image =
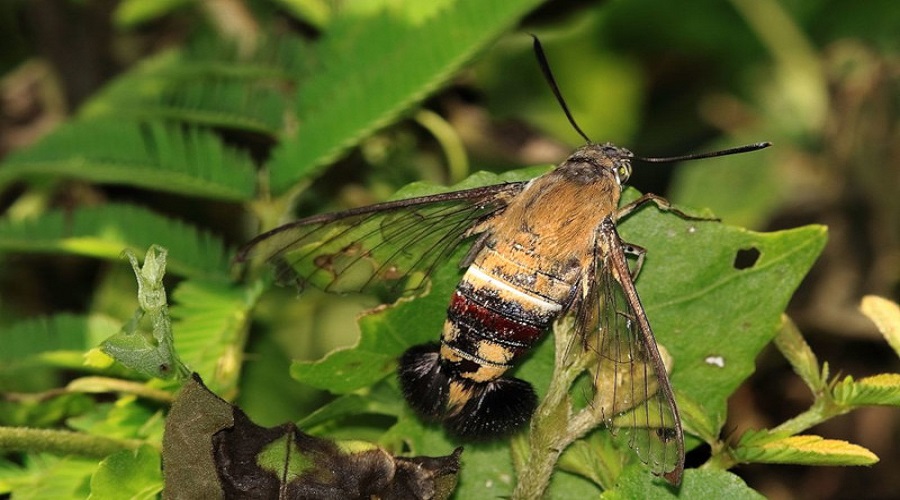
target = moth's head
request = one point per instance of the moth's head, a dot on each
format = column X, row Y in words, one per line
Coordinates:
column 606, row 160
column 620, row 159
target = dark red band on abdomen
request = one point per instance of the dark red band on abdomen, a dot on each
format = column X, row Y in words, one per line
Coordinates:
column 476, row 323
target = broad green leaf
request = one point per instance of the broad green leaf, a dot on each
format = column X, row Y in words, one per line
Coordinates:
column 150, row 155
column 566, row 486
column 373, row 68
column 697, row 483
column 595, row 457
column 713, row 318
column 135, row 475
column 105, row 231
column 762, row 447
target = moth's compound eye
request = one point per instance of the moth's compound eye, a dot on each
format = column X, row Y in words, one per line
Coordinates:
column 623, row 172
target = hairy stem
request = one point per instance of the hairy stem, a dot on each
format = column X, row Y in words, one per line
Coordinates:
column 62, row 442
column 554, row 427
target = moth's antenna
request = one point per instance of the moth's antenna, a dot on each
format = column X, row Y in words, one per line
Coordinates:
column 713, row 154
column 548, row 75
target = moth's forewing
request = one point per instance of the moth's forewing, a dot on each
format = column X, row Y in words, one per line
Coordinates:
column 389, row 247
column 632, row 389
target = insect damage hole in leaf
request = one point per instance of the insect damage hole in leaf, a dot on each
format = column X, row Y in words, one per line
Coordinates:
column 745, row 258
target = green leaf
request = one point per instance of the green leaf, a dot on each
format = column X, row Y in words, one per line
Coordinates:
column 209, row 82
column 595, row 457
column 209, row 322
column 34, row 351
column 46, row 476
column 697, row 483
column 128, row 474
column 374, row 70
column 382, row 399
column 763, row 447
column 151, row 155
column 712, row 317
column 697, row 420
column 881, row 390
column 127, row 418
column 105, row 231
column 25, row 342
column 803, row 360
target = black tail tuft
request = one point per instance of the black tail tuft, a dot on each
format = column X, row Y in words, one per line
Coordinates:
column 423, row 383
column 496, row 409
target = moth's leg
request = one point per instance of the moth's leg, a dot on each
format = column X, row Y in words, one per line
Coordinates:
column 473, row 250
column 639, row 252
column 662, row 203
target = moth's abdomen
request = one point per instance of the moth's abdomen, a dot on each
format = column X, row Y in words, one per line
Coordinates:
column 499, row 310
column 494, row 318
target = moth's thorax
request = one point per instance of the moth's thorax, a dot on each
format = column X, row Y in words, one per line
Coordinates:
column 555, row 218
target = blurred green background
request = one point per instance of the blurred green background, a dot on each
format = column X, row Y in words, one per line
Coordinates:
column 819, row 78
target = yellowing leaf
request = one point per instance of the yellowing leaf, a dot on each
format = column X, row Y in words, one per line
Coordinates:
column 886, row 316
column 883, row 389
column 806, row 450
column 803, row 360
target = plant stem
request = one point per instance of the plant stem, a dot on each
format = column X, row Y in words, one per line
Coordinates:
column 721, row 457
column 62, row 442
column 823, row 409
column 546, row 442
column 553, row 427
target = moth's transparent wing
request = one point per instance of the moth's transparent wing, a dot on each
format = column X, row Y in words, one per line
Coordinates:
column 392, row 246
column 631, row 386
